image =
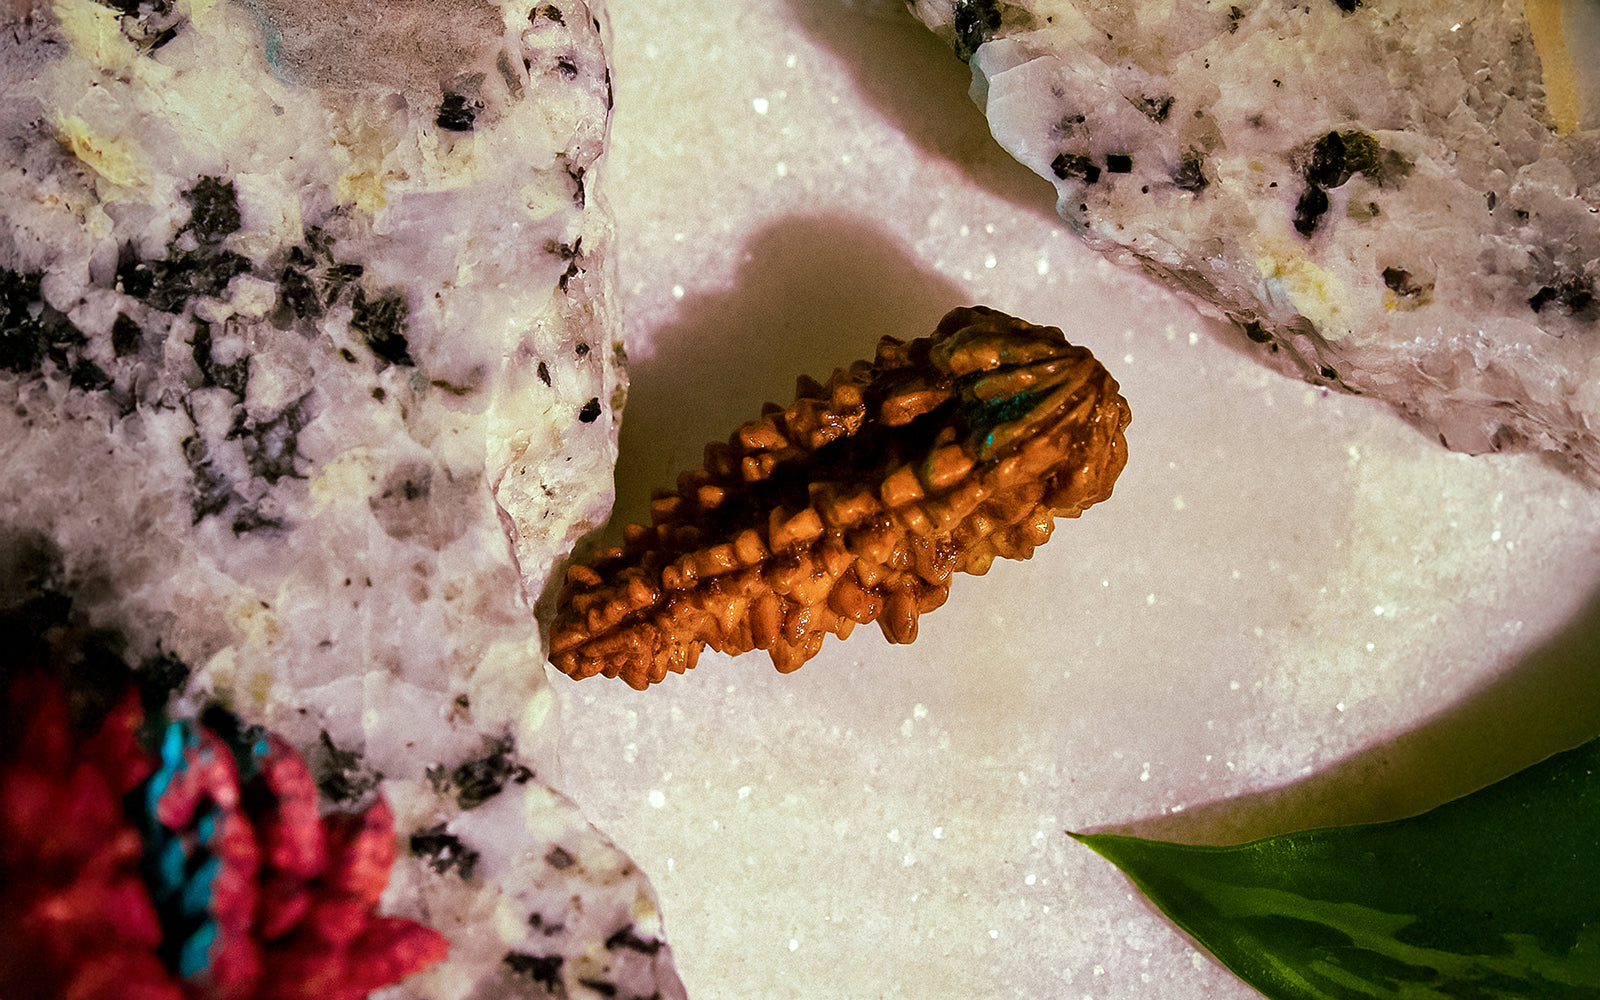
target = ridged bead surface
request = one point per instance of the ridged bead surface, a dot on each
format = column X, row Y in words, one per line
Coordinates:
column 855, row 503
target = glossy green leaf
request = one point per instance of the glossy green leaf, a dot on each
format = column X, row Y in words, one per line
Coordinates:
column 1494, row 895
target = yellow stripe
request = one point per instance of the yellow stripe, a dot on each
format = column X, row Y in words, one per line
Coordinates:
column 1560, row 76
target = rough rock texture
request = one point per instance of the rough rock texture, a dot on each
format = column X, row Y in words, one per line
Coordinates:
column 1396, row 200
column 304, row 355
column 855, row 503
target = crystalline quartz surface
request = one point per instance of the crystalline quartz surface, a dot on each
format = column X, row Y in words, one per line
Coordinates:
column 308, row 377
column 1393, row 200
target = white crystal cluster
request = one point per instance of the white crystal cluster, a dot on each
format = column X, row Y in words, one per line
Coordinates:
column 307, row 374
column 1396, row 200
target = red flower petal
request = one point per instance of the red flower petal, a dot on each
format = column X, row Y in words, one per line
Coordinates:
column 115, row 749
column 283, row 904
column 392, row 949
column 361, row 850
column 291, row 833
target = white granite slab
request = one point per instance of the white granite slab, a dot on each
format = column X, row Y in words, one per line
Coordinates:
column 1397, row 202
column 309, row 380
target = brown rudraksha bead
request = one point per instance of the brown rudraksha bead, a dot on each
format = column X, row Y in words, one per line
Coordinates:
column 855, row 503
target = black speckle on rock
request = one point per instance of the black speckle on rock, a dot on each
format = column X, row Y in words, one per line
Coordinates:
column 1119, row 163
column 1398, row 280
column 572, row 252
column 1328, row 372
column 600, row 986
column 342, row 775
column 478, row 781
column 1309, row 209
column 1333, row 160
column 149, row 24
column 210, row 492
column 544, row 373
column 297, row 294
column 31, row 330
column 125, row 335
column 167, row 285
column 1256, row 332
column 975, row 22
column 626, row 938
column 591, row 410
column 559, row 858
column 456, row 113
column 310, row 280
column 381, row 323
column 272, row 446
column 213, row 211
column 233, row 376
column 1069, row 124
column 1190, row 175
column 444, row 851
column 545, row 970
column 567, row 68
column 1574, row 297
column 578, row 194
column 572, row 271
column 1075, row 166
column 1338, row 155
column 582, row 349
column 252, row 519
column 508, row 74
column 453, row 388
column 1155, row 108
column 89, row 377
column 189, row 271
column 134, row 276
column 1348, row 6
column 549, row 12
column 396, row 509
column 1235, row 15
column 1326, row 166
column 338, row 276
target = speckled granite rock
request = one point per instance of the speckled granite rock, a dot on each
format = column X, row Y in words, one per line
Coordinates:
column 1393, row 200
column 307, row 373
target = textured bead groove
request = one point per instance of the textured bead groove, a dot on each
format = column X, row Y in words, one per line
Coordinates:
column 855, row 503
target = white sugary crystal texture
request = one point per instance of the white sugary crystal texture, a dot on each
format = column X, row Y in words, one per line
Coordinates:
column 307, row 373
column 1393, row 199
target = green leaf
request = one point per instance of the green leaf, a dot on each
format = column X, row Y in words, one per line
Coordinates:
column 1496, row 894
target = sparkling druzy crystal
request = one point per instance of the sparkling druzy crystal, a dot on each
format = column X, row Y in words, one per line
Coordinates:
column 855, row 503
